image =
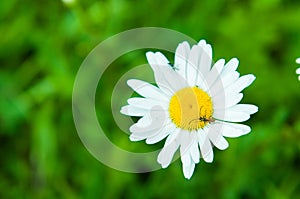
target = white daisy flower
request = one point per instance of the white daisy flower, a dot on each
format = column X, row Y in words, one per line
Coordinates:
column 298, row 70
column 194, row 105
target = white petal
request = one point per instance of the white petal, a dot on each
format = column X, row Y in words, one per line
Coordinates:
column 147, row 103
column 171, row 145
column 166, row 154
column 298, row 70
column 222, row 102
column 186, row 158
column 147, row 90
column 241, row 84
column 164, row 132
column 188, row 170
column 133, row 138
column 219, row 87
column 185, row 139
column 206, row 58
column 233, row 130
column 230, row 78
column 194, row 150
column 215, row 135
column 146, row 131
column 202, row 43
column 181, row 59
column 298, row 60
column 144, row 121
column 194, row 65
column 246, row 108
column 231, row 84
column 231, row 66
column 157, row 58
column 142, row 135
column 133, row 111
column 158, row 121
column 173, row 137
column 166, row 78
column 221, row 143
column 230, row 116
column 215, row 72
column 236, row 113
column 205, row 146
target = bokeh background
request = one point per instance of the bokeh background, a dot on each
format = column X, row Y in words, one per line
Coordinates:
column 42, row 45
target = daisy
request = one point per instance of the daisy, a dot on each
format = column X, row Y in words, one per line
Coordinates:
column 298, row 70
column 194, row 105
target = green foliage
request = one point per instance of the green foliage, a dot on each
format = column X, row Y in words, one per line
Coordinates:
column 42, row 46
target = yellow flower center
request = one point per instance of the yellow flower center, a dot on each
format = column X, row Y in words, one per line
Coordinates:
column 191, row 108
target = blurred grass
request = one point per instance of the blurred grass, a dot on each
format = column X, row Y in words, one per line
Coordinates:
column 42, row 46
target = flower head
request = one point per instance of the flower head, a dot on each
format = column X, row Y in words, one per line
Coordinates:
column 194, row 105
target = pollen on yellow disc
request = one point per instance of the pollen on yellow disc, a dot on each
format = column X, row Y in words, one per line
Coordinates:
column 188, row 105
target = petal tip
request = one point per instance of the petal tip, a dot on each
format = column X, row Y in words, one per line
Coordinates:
column 252, row 77
column 255, row 109
column 202, row 42
column 235, row 59
column 149, row 53
column 151, row 141
column 124, row 110
column 208, row 158
column 133, row 138
column 188, row 170
column 224, row 147
column 184, row 43
column 131, row 82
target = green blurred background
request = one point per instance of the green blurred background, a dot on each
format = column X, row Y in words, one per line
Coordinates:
column 43, row 44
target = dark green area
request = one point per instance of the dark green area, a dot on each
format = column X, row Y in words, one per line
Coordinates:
column 42, row 45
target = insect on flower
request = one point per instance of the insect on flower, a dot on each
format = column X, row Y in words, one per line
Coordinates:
column 203, row 119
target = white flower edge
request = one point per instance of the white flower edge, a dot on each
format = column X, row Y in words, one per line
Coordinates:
column 298, row 69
